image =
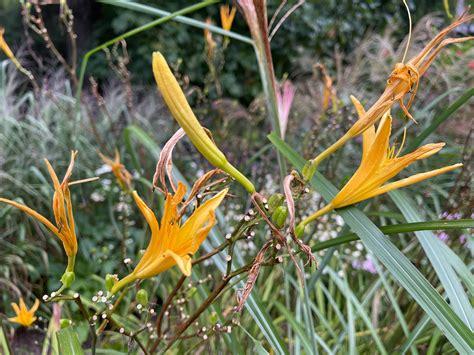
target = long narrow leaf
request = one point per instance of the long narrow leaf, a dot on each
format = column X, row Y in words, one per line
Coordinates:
column 431, row 245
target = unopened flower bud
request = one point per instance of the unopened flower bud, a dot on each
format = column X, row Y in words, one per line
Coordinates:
column 309, row 170
column 64, row 323
column 275, row 201
column 110, row 281
column 68, row 278
column 213, row 318
column 191, row 292
column 299, row 230
column 142, row 297
column 279, row 216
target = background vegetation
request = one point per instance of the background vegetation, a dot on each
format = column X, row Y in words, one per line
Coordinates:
column 351, row 303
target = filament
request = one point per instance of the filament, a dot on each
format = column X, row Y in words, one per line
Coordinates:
column 409, row 31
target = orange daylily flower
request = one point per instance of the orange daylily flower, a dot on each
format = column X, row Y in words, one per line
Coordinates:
column 123, row 176
column 24, row 316
column 227, row 16
column 211, row 44
column 172, row 243
column 404, row 79
column 6, row 49
column 62, row 209
column 379, row 164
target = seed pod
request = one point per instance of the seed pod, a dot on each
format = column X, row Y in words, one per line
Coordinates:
column 279, row 216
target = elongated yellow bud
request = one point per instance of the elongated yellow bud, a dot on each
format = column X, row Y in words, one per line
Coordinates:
column 182, row 112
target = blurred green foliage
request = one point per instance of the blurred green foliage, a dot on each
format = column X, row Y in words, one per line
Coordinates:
column 315, row 30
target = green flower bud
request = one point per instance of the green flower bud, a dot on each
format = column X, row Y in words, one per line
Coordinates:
column 279, row 216
column 191, row 292
column 309, row 170
column 213, row 318
column 299, row 230
column 275, row 201
column 142, row 297
column 64, row 323
column 110, row 281
column 68, row 278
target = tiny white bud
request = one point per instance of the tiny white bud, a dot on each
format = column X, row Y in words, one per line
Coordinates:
column 228, row 236
column 228, row 258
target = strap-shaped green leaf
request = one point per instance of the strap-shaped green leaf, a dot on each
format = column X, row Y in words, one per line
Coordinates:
column 69, row 342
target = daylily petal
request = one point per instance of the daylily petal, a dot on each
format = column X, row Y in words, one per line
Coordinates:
column 189, row 244
column 15, row 308
column 147, row 213
column 201, row 215
column 413, row 180
column 33, row 214
column 35, row 306
column 183, row 262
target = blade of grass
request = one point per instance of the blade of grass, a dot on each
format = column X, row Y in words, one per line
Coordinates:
column 457, row 296
column 399, row 228
column 298, row 329
column 394, row 303
column 131, row 5
column 69, row 342
column 345, row 289
column 398, row 264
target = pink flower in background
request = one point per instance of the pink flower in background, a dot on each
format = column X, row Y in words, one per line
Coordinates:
column 471, row 65
column 285, row 96
column 366, row 265
column 443, row 236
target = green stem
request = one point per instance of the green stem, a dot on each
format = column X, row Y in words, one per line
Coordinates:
column 70, row 263
column 399, row 228
column 239, row 177
column 181, row 19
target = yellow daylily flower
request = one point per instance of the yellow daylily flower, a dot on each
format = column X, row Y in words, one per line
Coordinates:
column 182, row 112
column 227, row 16
column 6, row 49
column 404, row 79
column 24, row 316
column 379, row 164
column 62, row 209
column 172, row 243
column 123, row 176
